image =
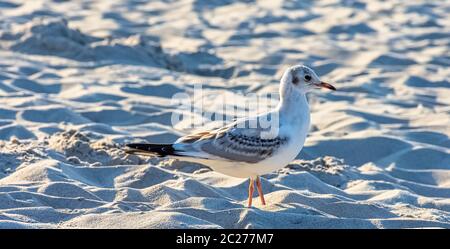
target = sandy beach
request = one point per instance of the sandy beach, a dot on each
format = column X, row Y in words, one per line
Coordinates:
column 80, row 79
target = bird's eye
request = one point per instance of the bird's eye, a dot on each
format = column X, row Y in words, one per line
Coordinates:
column 307, row 77
column 295, row 80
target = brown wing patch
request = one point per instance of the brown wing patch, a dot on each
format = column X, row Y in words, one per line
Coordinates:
column 202, row 136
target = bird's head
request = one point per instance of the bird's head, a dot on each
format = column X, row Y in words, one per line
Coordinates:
column 303, row 79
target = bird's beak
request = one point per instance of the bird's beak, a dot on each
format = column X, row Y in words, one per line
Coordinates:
column 326, row 85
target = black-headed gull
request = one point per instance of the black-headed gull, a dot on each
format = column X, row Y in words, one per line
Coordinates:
column 243, row 151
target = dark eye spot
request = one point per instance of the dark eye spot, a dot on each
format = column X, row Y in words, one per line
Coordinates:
column 307, row 77
column 295, row 80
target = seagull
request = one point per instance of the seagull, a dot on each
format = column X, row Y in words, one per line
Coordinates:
column 241, row 151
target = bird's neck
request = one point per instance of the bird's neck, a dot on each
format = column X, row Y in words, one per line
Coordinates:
column 293, row 105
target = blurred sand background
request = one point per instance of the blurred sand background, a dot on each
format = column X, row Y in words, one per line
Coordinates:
column 80, row 78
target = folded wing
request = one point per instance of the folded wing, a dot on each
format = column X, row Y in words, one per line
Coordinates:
column 230, row 143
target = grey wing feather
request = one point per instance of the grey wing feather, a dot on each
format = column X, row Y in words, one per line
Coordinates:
column 236, row 144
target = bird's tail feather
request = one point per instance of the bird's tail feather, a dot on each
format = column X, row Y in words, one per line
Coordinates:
column 151, row 149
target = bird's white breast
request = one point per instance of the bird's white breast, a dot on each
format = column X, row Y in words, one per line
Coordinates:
column 297, row 135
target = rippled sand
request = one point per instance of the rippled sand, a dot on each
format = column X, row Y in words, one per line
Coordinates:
column 77, row 80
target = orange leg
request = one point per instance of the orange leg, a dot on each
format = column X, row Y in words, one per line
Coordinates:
column 260, row 192
column 250, row 192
